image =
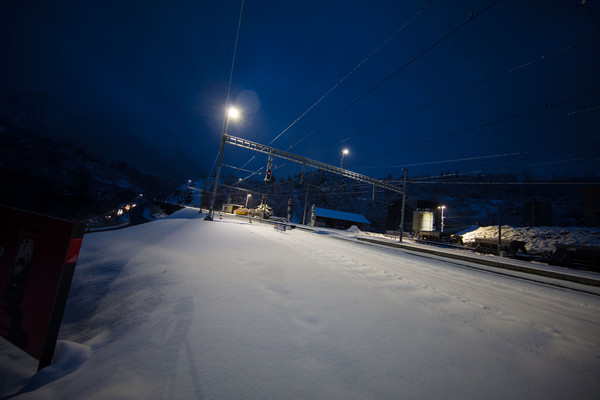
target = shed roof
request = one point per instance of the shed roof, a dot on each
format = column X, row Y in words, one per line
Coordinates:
column 340, row 215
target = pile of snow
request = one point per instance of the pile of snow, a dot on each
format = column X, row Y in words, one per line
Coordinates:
column 154, row 213
column 539, row 240
column 354, row 229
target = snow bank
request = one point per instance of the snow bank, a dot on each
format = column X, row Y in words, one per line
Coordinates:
column 153, row 213
column 68, row 357
column 539, row 240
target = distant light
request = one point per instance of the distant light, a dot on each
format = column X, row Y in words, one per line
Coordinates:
column 344, row 152
column 233, row 113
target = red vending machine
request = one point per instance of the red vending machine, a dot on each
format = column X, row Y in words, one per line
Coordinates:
column 37, row 261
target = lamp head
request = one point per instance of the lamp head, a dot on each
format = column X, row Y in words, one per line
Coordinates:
column 233, row 113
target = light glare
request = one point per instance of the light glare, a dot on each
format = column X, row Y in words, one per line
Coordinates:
column 233, row 112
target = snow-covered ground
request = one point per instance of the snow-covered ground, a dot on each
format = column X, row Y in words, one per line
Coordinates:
column 190, row 309
column 539, row 239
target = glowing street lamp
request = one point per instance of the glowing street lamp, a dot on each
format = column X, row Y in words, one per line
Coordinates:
column 442, row 208
column 344, row 152
column 247, row 197
column 234, row 113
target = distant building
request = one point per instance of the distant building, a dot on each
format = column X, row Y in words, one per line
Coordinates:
column 231, row 208
column 338, row 219
column 590, row 202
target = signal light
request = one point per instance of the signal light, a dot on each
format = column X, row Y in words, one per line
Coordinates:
column 268, row 177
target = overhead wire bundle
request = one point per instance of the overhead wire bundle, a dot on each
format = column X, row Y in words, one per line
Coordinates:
column 502, row 159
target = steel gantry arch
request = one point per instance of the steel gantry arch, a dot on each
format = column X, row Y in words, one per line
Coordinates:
column 261, row 148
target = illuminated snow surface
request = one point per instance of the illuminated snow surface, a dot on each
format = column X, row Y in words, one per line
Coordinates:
column 539, row 239
column 182, row 308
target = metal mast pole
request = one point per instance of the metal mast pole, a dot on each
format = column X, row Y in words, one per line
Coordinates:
column 500, row 231
column 403, row 205
column 305, row 203
column 209, row 216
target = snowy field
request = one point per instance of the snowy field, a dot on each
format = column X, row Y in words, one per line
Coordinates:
column 182, row 308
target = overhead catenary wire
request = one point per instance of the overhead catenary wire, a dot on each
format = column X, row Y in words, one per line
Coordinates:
column 506, row 72
column 355, row 189
column 237, row 36
column 529, row 153
column 592, row 16
column 225, row 120
column 396, row 72
column 360, row 64
column 567, row 157
column 480, row 126
column 346, row 76
column 213, row 165
column 506, row 183
column 546, row 97
column 571, row 157
column 546, row 150
column 229, row 85
column 451, row 161
column 237, row 168
column 502, row 166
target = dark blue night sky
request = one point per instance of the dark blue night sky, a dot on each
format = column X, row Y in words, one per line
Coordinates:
column 462, row 86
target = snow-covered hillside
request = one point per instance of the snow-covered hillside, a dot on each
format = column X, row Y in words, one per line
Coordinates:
column 190, row 309
column 44, row 175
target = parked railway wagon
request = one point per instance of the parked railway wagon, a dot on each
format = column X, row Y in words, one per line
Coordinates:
column 439, row 237
column 512, row 248
column 579, row 257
